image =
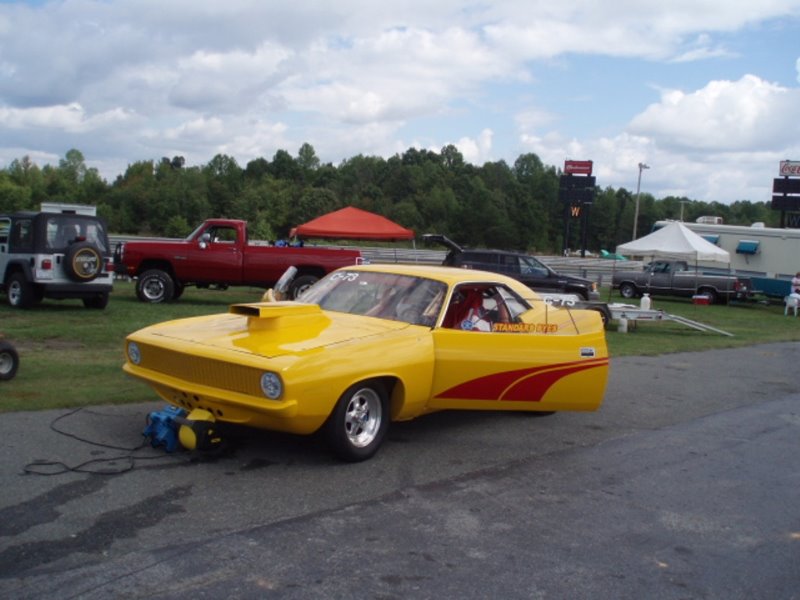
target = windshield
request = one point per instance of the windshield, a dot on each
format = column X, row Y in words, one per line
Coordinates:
column 405, row 298
column 531, row 266
column 65, row 230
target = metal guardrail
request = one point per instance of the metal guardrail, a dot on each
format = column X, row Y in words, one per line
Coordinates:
column 595, row 269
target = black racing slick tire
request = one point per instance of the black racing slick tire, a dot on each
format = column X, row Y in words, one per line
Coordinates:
column 155, row 286
column 359, row 422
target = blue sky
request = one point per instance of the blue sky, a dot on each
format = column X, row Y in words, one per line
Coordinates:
column 704, row 91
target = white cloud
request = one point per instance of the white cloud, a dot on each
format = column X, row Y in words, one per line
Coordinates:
column 475, row 150
column 724, row 116
column 129, row 81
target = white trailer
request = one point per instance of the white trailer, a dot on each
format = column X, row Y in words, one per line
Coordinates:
column 755, row 250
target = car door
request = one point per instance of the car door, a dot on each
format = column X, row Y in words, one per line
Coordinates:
column 660, row 279
column 213, row 255
column 501, row 367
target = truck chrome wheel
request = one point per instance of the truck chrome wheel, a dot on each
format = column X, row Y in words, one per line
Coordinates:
column 155, row 286
column 626, row 290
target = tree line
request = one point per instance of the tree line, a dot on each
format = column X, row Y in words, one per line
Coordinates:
column 494, row 205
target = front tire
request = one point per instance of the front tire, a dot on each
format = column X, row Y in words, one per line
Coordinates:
column 155, row 286
column 9, row 361
column 628, row 291
column 356, row 428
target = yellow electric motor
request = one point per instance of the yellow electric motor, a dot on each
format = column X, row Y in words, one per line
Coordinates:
column 199, row 431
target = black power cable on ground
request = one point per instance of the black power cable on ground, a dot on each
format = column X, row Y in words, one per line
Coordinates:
column 129, row 460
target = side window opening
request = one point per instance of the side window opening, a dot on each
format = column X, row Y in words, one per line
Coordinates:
column 509, row 264
column 5, row 229
column 22, row 236
column 531, row 266
column 479, row 308
column 223, row 235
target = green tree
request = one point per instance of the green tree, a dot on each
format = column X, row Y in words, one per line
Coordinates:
column 313, row 203
column 13, row 197
column 283, row 166
column 177, row 227
column 307, row 158
column 224, row 180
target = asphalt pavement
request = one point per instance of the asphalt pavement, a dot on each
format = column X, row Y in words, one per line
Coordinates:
column 685, row 484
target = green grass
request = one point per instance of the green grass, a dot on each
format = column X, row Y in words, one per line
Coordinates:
column 751, row 323
column 72, row 356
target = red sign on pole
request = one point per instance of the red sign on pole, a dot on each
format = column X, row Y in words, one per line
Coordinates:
column 578, row 167
column 790, row 168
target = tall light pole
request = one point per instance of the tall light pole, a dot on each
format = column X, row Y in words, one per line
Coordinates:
column 682, row 203
column 642, row 166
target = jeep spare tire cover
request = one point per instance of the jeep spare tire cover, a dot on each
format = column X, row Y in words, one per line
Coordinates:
column 83, row 262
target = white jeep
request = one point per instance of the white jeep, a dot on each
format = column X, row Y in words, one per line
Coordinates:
column 55, row 255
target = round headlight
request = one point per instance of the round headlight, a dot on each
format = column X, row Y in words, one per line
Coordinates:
column 134, row 354
column 271, row 385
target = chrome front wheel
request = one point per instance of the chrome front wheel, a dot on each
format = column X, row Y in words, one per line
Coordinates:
column 359, row 422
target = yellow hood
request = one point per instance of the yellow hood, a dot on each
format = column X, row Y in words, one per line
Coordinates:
column 273, row 329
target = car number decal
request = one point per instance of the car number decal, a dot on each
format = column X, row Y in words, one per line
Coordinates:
column 346, row 276
column 524, row 327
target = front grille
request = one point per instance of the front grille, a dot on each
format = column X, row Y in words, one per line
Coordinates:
column 204, row 371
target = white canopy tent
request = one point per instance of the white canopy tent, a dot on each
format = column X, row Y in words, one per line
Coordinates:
column 675, row 241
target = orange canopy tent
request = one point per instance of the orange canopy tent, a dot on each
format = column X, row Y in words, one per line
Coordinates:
column 353, row 223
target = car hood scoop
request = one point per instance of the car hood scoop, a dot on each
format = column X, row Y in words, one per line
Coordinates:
column 278, row 315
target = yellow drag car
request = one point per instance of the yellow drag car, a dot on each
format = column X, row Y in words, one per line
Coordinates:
column 371, row 344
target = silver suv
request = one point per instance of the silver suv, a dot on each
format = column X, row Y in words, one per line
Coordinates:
column 55, row 255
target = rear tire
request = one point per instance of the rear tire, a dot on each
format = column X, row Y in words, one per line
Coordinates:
column 99, row 302
column 21, row 293
column 604, row 315
column 301, row 284
column 359, row 422
column 713, row 298
column 155, row 286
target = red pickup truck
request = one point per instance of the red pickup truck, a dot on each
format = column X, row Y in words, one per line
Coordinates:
column 218, row 253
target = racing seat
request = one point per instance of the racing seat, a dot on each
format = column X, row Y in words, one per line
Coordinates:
column 462, row 308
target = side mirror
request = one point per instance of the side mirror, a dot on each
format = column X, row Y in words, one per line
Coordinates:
column 204, row 240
